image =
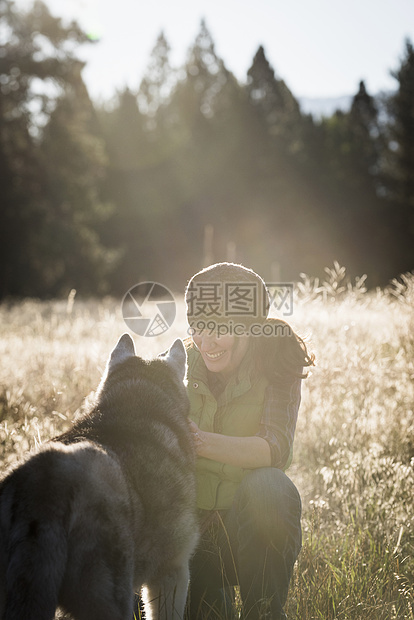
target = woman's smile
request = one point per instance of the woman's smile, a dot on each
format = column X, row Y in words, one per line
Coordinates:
column 213, row 356
column 221, row 353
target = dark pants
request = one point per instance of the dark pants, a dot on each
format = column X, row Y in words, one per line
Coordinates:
column 253, row 545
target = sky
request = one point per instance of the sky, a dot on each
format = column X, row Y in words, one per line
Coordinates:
column 321, row 48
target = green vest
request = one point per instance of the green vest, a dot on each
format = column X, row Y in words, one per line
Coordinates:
column 237, row 412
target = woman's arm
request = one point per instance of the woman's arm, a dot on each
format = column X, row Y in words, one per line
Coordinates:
column 272, row 444
column 246, row 452
column 280, row 414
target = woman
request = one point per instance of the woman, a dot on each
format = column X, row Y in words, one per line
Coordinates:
column 244, row 379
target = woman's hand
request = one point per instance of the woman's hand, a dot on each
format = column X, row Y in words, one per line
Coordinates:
column 246, row 452
column 197, row 436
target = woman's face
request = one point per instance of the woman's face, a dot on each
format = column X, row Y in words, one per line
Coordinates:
column 221, row 353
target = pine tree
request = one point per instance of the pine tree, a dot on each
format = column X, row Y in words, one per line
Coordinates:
column 348, row 183
column 272, row 99
column 400, row 163
column 131, row 189
column 365, row 132
column 74, row 161
column 159, row 80
column 198, row 96
column 38, row 50
column 125, row 133
column 277, row 180
column 208, row 110
column 154, row 97
column 363, row 145
column 401, row 130
column 20, row 174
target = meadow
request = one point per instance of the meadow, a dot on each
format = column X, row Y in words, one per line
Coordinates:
column 354, row 447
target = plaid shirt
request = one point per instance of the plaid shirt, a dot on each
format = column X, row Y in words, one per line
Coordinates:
column 280, row 414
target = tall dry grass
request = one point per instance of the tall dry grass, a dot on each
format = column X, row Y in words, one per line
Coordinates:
column 354, row 452
column 354, row 448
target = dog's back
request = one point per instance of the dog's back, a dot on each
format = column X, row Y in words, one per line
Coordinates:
column 107, row 507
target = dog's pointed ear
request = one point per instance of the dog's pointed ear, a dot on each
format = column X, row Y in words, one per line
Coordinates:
column 176, row 357
column 123, row 350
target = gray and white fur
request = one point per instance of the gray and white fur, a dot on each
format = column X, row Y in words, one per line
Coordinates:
column 107, row 507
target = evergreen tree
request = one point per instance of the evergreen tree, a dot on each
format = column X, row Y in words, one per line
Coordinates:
column 20, row 174
column 125, row 133
column 159, row 80
column 197, row 97
column 349, row 186
column 74, row 161
column 190, row 150
column 38, row 50
column 400, row 158
column 401, row 131
column 128, row 182
column 203, row 133
column 278, row 182
column 273, row 101
column 154, row 96
column 365, row 132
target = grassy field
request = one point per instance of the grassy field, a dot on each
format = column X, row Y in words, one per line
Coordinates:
column 354, row 448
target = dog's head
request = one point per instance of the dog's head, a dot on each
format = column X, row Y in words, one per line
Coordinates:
column 175, row 358
column 129, row 378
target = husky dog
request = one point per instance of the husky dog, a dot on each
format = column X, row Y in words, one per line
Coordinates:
column 109, row 505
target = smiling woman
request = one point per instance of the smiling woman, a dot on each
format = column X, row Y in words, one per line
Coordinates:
column 244, row 392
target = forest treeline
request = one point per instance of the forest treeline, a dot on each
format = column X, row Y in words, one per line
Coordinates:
column 193, row 166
